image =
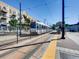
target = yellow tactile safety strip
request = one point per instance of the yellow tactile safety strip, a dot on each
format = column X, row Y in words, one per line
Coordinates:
column 51, row 50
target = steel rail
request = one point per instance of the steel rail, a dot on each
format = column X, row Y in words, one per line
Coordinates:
column 29, row 44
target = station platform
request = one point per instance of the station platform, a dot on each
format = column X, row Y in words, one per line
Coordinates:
column 67, row 48
column 50, row 52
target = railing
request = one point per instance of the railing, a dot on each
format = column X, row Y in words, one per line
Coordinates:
column 3, row 23
column 3, row 16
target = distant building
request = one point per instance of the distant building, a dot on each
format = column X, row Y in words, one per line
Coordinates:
column 73, row 28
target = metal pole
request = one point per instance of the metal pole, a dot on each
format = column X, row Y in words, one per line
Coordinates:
column 30, row 30
column 45, row 21
column 17, row 35
column 63, row 22
column 20, row 18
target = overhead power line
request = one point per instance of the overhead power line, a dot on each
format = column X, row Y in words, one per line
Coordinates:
column 45, row 4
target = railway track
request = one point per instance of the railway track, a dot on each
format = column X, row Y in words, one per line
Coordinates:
column 13, row 42
column 9, row 42
column 27, row 48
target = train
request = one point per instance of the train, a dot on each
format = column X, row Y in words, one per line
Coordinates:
column 38, row 27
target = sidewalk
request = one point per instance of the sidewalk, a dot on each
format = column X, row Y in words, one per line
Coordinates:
column 73, row 36
column 68, row 48
column 71, row 41
column 68, row 43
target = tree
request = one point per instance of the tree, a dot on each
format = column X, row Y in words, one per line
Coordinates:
column 66, row 25
column 13, row 24
column 26, row 24
column 53, row 26
column 59, row 24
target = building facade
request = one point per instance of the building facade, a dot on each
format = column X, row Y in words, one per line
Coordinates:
column 73, row 28
column 7, row 13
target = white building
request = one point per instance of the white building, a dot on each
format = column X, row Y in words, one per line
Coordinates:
column 8, row 12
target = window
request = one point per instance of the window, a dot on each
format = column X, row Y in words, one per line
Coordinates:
column 10, row 10
column 33, row 24
column 14, row 12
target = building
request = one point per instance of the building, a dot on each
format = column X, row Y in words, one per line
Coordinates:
column 7, row 13
column 73, row 28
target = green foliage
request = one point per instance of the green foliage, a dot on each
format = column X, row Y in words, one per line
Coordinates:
column 59, row 24
column 53, row 26
column 27, row 21
column 26, row 24
column 66, row 25
column 13, row 22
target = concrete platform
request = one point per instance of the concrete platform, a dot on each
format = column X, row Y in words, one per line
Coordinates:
column 69, row 42
column 68, row 48
column 50, row 52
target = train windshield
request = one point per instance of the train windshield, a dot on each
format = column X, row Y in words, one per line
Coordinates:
column 33, row 24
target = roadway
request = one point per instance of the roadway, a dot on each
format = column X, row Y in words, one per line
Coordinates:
column 24, row 52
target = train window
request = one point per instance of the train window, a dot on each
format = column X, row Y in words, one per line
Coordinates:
column 42, row 26
column 33, row 24
column 37, row 26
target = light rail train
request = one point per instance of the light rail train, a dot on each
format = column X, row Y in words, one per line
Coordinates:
column 39, row 27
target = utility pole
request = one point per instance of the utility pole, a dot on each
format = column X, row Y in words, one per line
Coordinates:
column 44, row 21
column 20, row 17
column 63, row 21
column 17, row 35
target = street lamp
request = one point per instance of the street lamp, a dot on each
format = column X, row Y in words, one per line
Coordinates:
column 19, row 22
column 63, row 21
column 20, row 18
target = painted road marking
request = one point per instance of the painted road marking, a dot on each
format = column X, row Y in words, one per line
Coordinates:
column 51, row 50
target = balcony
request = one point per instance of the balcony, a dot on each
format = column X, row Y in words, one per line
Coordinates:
column 2, row 21
column 13, row 16
column 3, row 9
column 3, row 16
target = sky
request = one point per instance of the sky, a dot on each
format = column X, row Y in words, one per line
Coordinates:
column 49, row 11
